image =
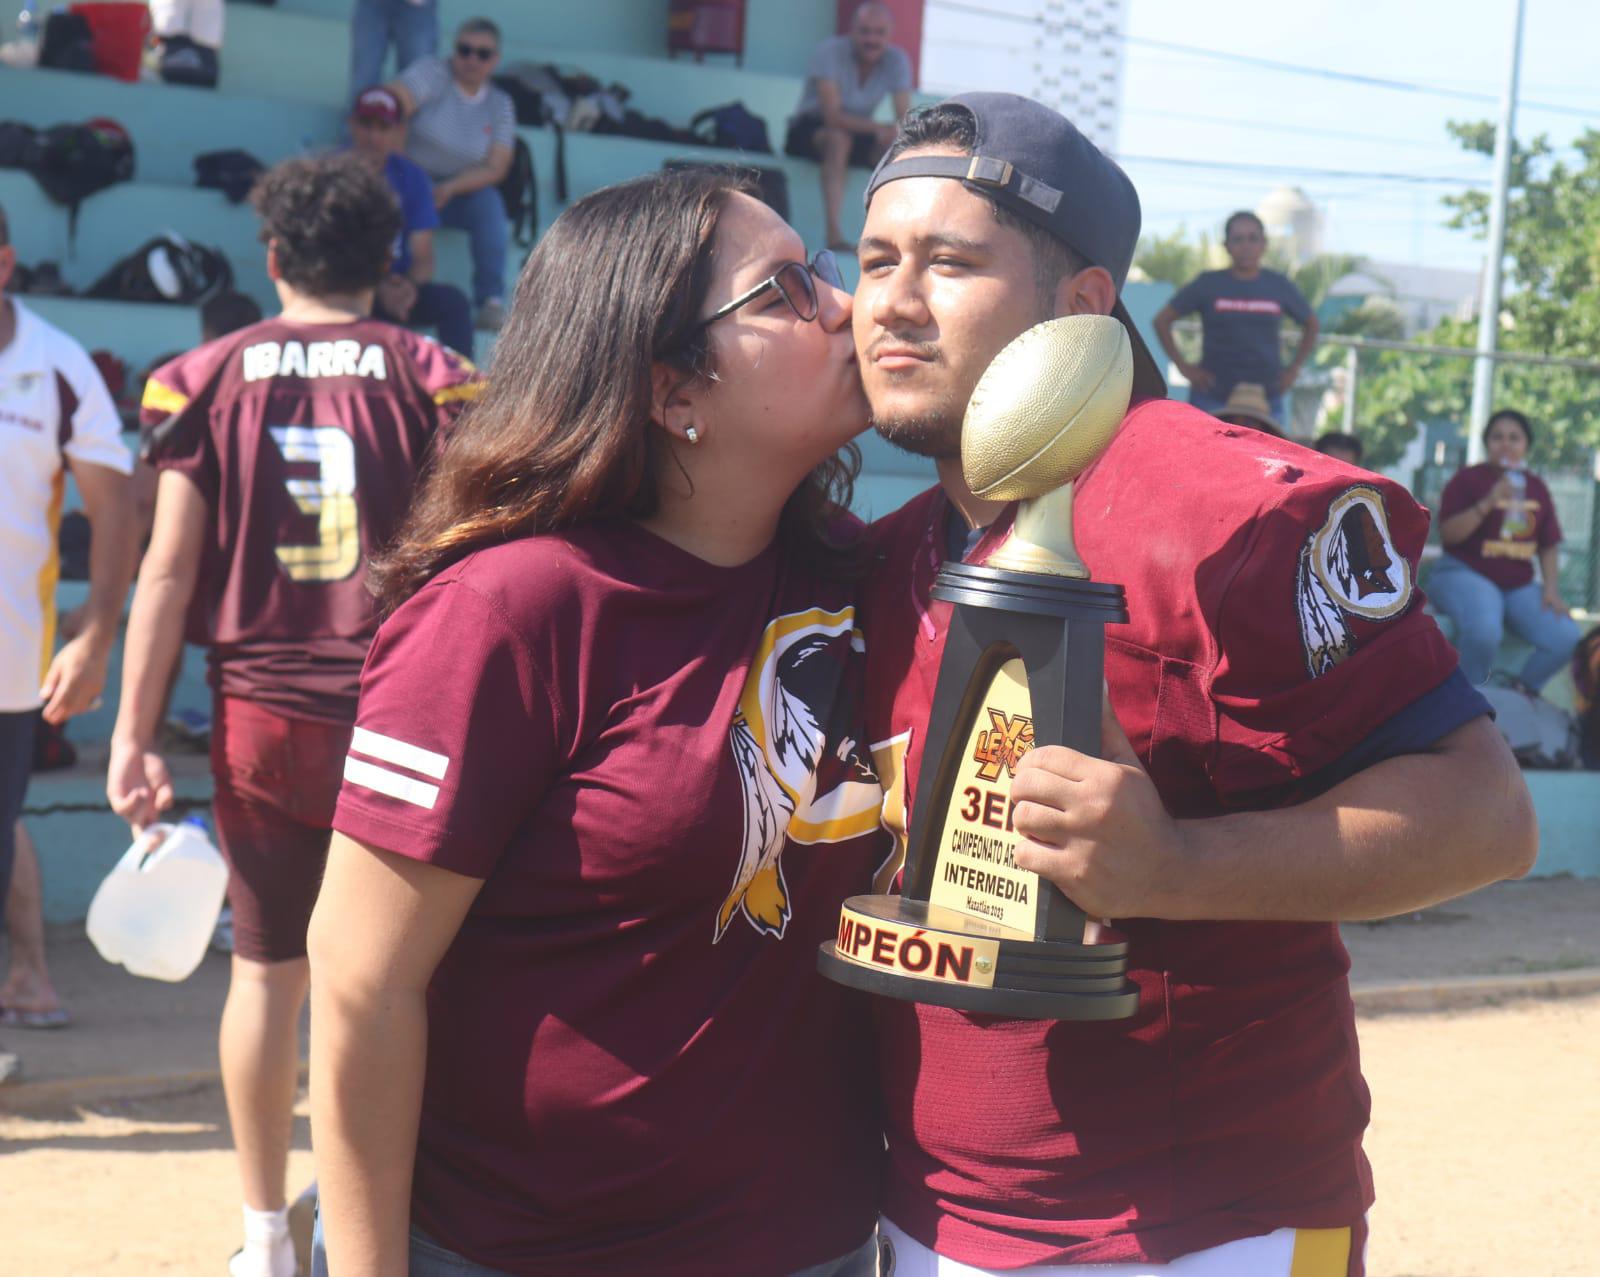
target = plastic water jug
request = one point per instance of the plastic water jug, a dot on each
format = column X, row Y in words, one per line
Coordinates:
column 155, row 912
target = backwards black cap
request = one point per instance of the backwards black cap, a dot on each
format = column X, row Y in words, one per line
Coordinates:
column 1034, row 162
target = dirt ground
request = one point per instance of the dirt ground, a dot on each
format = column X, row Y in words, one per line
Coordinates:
column 1485, row 1140
column 1485, row 1137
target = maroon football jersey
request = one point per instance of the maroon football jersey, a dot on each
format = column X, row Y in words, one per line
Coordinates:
column 656, row 766
column 1274, row 624
column 306, row 440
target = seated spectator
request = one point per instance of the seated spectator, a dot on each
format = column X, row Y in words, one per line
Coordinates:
column 408, row 294
column 1341, row 447
column 462, row 130
column 1247, row 406
column 848, row 77
column 412, row 26
column 1495, row 518
column 1241, row 316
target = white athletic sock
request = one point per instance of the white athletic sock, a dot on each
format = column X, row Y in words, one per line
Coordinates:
column 268, row 1250
column 263, row 1226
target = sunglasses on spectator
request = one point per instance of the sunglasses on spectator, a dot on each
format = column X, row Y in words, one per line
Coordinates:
column 483, row 52
column 793, row 280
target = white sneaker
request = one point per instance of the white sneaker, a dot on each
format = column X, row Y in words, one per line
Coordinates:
column 491, row 315
column 264, row 1259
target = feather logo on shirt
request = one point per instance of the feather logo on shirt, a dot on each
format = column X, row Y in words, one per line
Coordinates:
column 1348, row 568
column 802, row 779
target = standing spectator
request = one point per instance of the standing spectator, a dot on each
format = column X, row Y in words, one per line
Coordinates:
column 190, row 34
column 1241, row 316
column 56, row 416
column 462, row 133
column 1495, row 518
column 28, row 999
column 849, row 75
column 1341, row 447
column 412, row 26
column 408, row 293
column 287, row 453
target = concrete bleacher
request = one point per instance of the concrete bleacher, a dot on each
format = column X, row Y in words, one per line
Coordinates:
column 283, row 91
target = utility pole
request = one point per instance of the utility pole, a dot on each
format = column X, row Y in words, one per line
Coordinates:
column 1489, row 303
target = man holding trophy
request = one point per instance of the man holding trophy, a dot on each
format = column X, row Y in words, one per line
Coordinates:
column 1287, row 744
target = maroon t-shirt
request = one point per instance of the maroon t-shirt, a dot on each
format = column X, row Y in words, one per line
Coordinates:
column 1273, row 624
column 655, row 765
column 1503, row 546
column 306, row 440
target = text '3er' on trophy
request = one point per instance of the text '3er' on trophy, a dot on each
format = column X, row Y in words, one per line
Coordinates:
column 1023, row 665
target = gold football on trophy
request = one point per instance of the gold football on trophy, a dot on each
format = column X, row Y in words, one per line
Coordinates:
column 1046, row 407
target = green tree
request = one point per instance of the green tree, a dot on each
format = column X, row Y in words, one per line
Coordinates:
column 1174, row 258
column 1551, row 305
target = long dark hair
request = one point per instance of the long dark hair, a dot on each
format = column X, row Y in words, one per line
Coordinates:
column 562, row 432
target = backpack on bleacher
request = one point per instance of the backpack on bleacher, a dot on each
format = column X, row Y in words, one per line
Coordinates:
column 73, row 161
column 734, row 126
column 520, row 191
column 167, row 268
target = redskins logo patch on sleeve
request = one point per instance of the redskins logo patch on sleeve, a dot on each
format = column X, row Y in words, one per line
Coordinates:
column 1349, row 569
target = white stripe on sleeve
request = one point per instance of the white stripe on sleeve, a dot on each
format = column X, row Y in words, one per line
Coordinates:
column 416, row 792
column 389, row 750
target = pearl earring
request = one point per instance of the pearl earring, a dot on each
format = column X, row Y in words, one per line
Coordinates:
column 692, row 435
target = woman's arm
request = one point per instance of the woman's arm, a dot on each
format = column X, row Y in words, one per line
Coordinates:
column 381, row 925
column 1550, row 575
column 1200, row 378
column 1457, row 527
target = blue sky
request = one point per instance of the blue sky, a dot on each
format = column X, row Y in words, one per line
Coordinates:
column 1179, row 105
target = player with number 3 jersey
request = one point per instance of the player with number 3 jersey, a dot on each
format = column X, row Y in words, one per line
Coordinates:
column 287, row 453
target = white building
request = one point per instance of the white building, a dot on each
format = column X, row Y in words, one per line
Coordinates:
column 1292, row 221
column 1068, row 54
column 1078, row 69
column 1423, row 294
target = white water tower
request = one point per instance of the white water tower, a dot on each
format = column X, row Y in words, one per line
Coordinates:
column 1293, row 221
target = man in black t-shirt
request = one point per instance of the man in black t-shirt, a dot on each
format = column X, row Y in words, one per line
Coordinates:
column 1241, row 314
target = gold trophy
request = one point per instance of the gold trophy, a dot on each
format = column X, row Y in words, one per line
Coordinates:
column 1023, row 665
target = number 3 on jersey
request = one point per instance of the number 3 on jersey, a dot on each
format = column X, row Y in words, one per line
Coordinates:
column 331, row 497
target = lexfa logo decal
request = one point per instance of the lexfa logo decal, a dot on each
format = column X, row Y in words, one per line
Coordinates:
column 1003, row 745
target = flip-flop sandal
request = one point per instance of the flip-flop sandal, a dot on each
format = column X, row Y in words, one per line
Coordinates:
column 26, row 1018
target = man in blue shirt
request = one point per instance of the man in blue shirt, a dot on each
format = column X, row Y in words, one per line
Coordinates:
column 408, row 294
column 1241, row 315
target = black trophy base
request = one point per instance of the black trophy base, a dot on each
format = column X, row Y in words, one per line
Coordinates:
column 921, row 952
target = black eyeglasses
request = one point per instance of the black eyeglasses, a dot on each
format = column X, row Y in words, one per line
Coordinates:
column 793, row 282
column 483, row 52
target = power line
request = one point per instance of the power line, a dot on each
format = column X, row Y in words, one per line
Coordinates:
column 1278, row 170
column 1272, row 126
column 1253, row 60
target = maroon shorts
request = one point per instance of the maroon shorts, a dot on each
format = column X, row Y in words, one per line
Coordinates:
column 277, row 780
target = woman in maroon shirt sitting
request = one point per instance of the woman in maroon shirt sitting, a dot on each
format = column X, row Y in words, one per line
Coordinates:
column 608, row 787
column 1495, row 518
